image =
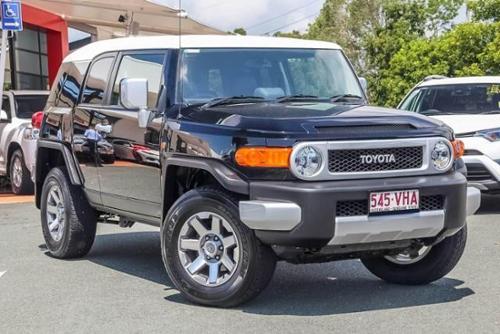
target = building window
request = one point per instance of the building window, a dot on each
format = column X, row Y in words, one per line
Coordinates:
column 30, row 59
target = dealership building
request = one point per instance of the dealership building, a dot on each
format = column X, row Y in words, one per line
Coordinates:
column 53, row 28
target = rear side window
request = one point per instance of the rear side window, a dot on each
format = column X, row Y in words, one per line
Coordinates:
column 97, row 81
column 27, row 105
column 67, row 87
column 145, row 66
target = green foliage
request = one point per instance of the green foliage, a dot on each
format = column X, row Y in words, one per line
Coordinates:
column 238, row 31
column 293, row 34
column 468, row 49
column 484, row 10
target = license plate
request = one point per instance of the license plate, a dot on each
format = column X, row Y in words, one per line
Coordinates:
column 390, row 201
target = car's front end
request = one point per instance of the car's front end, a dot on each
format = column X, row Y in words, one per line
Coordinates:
column 303, row 167
column 359, row 196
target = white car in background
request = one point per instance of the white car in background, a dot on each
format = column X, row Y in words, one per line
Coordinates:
column 471, row 106
column 20, row 120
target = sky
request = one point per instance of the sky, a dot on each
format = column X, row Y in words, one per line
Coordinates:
column 256, row 16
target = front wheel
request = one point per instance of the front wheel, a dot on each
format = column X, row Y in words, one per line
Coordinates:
column 420, row 266
column 68, row 221
column 210, row 255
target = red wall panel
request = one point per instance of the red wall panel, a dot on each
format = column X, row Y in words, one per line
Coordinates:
column 57, row 35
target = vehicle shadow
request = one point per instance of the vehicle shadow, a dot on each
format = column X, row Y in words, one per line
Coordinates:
column 303, row 290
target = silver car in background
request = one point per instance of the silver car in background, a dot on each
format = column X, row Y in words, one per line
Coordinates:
column 20, row 119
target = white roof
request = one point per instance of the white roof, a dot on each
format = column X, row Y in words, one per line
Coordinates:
column 89, row 51
column 461, row 80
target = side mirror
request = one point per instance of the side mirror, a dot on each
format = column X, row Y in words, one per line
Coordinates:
column 3, row 116
column 364, row 84
column 134, row 95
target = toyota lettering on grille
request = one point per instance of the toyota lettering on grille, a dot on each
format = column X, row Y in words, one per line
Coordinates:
column 377, row 158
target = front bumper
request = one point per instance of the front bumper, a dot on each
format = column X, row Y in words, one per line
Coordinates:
column 304, row 214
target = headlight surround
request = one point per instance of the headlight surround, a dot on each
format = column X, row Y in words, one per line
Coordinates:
column 307, row 161
column 489, row 134
column 442, row 155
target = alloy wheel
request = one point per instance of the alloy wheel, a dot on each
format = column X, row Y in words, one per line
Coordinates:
column 409, row 256
column 208, row 249
column 56, row 217
column 17, row 172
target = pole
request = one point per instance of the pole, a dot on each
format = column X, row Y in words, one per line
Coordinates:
column 3, row 59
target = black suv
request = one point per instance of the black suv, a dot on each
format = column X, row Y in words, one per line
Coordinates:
column 245, row 151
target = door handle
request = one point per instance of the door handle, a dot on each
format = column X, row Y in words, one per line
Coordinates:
column 103, row 128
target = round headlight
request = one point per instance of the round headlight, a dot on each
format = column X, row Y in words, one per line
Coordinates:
column 307, row 161
column 441, row 155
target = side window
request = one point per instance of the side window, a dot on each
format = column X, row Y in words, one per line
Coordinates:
column 66, row 89
column 97, row 81
column 147, row 66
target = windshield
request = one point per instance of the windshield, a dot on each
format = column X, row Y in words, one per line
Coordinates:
column 269, row 74
column 27, row 105
column 455, row 99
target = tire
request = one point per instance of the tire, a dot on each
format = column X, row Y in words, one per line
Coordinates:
column 438, row 261
column 254, row 262
column 73, row 237
column 19, row 175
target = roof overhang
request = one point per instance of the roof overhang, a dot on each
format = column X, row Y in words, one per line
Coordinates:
column 123, row 17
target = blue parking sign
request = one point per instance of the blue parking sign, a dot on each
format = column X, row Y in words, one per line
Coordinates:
column 11, row 15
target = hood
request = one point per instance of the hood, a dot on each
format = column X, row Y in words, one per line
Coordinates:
column 470, row 123
column 314, row 118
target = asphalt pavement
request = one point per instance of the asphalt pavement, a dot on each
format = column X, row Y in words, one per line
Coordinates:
column 121, row 287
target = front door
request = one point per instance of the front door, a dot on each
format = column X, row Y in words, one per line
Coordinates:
column 129, row 161
column 86, row 119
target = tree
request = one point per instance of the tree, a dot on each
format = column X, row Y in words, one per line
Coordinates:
column 238, row 31
column 468, row 49
column 403, row 22
column 347, row 22
column 484, row 10
column 293, row 34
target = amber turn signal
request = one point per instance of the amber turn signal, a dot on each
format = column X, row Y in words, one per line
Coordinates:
column 271, row 157
column 458, row 148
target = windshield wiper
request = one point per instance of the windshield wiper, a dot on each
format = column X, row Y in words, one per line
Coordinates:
column 219, row 101
column 296, row 97
column 346, row 97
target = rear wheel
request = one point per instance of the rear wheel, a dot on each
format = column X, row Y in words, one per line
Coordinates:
column 210, row 255
column 68, row 221
column 422, row 265
column 20, row 176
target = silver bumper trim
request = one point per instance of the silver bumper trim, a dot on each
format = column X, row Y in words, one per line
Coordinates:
column 473, row 200
column 365, row 229
column 270, row 216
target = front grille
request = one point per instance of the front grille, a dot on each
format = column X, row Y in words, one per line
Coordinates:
column 431, row 203
column 350, row 161
column 477, row 172
column 360, row 207
column 352, row 208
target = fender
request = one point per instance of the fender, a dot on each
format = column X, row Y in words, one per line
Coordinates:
column 227, row 178
column 75, row 175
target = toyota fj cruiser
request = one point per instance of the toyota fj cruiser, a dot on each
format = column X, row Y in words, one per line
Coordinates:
column 245, row 151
